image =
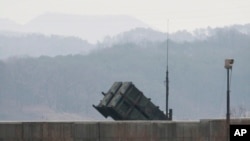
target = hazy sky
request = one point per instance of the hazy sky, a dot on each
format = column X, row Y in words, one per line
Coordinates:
column 183, row 14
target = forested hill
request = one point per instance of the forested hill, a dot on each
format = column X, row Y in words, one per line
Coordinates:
column 65, row 87
column 14, row 44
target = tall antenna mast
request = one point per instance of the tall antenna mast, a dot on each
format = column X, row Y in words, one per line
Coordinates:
column 168, row 112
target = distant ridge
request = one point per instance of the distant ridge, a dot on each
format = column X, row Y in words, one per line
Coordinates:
column 92, row 28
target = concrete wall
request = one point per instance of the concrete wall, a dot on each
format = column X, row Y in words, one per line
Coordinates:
column 203, row 130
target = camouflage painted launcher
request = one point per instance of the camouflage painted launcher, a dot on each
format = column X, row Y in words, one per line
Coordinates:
column 124, row 101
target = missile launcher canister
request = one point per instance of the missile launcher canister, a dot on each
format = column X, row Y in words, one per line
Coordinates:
column 124, row 101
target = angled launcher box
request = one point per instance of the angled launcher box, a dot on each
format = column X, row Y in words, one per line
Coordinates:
column 124, row 101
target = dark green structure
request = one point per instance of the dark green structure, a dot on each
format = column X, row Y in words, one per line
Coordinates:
column 124, row 101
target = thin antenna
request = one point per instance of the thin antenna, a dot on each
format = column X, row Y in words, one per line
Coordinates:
column 167, row 79
column 167, row 41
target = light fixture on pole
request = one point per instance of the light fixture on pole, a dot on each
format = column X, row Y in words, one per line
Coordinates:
column 228, row 66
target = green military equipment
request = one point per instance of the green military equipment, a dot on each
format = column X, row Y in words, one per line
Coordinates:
column 124, row 101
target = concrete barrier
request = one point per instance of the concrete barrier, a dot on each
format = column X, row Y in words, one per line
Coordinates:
column 203, row 130
column 88, row 131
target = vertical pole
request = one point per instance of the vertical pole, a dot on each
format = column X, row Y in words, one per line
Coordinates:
column 228, row 107
column 167, row 93
column 167, row 81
